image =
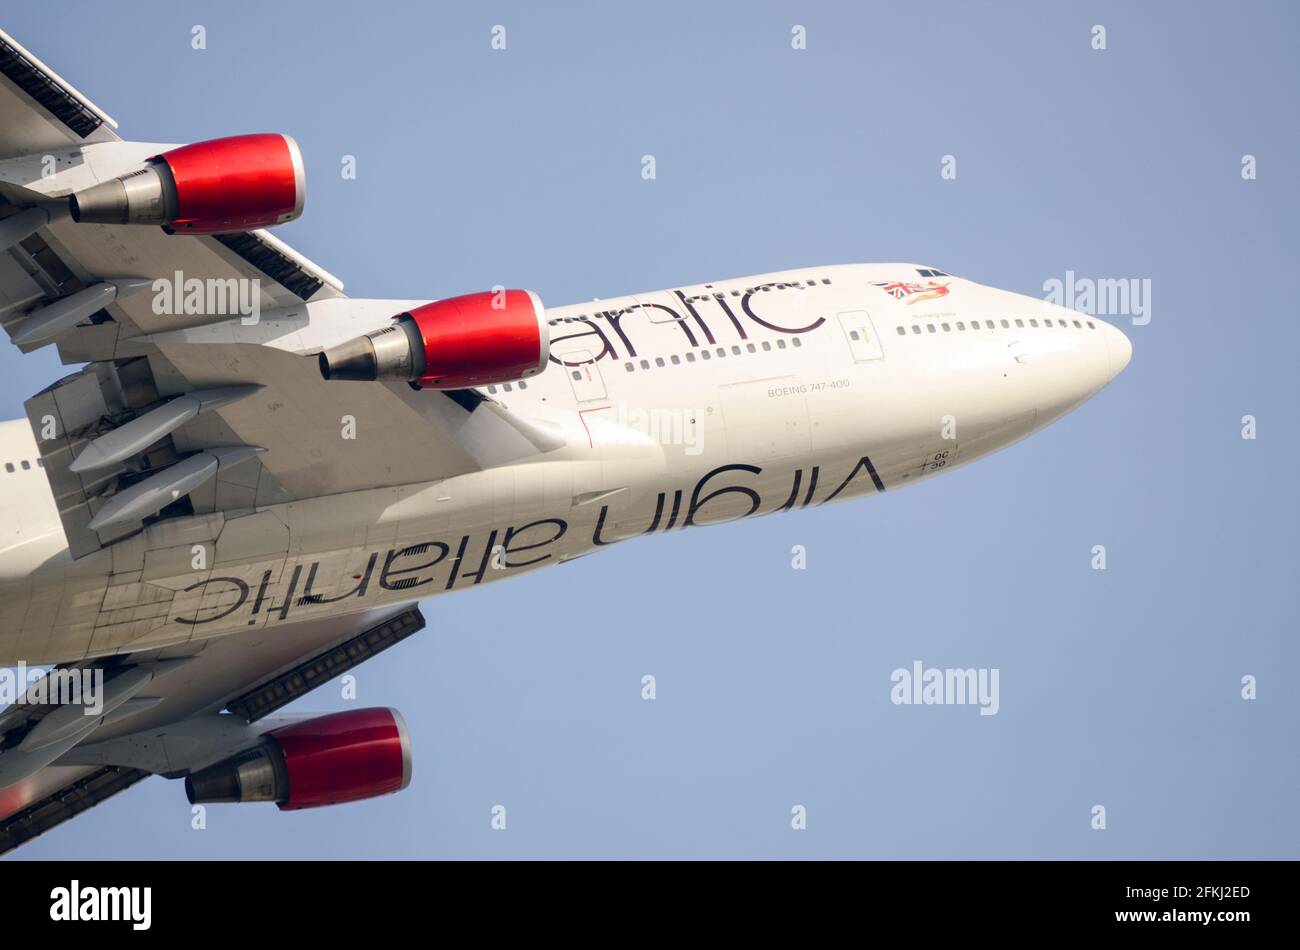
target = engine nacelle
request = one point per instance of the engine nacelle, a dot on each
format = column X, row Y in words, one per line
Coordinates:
column 491, row 337
column 342, row 757
column 215, row 187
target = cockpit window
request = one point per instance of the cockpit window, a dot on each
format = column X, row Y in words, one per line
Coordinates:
column 931, row 272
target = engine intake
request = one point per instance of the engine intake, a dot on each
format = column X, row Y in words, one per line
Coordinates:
column 343, row 757
column 214, row 187
column 490, row 337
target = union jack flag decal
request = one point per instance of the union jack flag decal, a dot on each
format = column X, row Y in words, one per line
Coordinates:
column 897, row 288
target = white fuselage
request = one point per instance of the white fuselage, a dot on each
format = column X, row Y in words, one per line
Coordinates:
column 677, row 408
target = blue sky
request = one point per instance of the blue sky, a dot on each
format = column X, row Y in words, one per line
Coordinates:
column 522, row 167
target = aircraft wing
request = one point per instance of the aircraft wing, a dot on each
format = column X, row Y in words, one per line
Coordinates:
column 39, row 111
column 195, row 712
column 250, row 369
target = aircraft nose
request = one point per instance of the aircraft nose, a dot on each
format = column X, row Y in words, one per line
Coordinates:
column 1067, row 364
column 1118, row 349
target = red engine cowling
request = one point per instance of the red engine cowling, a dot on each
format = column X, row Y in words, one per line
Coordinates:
column 328, row 760
column 491, row 337
column 215, row 187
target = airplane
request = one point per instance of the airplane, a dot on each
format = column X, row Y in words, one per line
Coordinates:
column 250, row 480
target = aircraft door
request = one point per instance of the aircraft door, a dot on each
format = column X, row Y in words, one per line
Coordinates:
column 860, row 334
column 584, row 375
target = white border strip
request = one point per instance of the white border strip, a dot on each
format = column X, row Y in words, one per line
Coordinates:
column 305, row 263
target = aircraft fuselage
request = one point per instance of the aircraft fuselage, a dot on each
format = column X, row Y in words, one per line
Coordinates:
column 676, row 408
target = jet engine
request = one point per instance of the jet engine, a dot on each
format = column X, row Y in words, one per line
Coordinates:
column 491, row 337
column 328, row 760
column 214, row 187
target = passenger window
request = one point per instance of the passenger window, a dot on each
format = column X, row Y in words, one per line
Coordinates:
column 960, row 325
column 26, row 465
column 766, row 346
column 9, row 466
column 1033, row 323
column 645, row 364
column 853, row 335
column 659, row 361
column 1005, row 325
column 735, row 351
column 705, row 355
column 1091, row 325
column 916, row 328
column 901, row 331
column 690, row 357
column 930, row 327
column 796, row 342
column 1077, row 326
column 750, row 347
column 946, row 328
column 626, row 366
column 1020, row 323
column 676, row 359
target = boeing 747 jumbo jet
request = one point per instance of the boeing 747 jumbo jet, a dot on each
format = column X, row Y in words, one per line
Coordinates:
column 249, row 479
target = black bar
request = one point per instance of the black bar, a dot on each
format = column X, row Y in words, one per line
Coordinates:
column 860, row 901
